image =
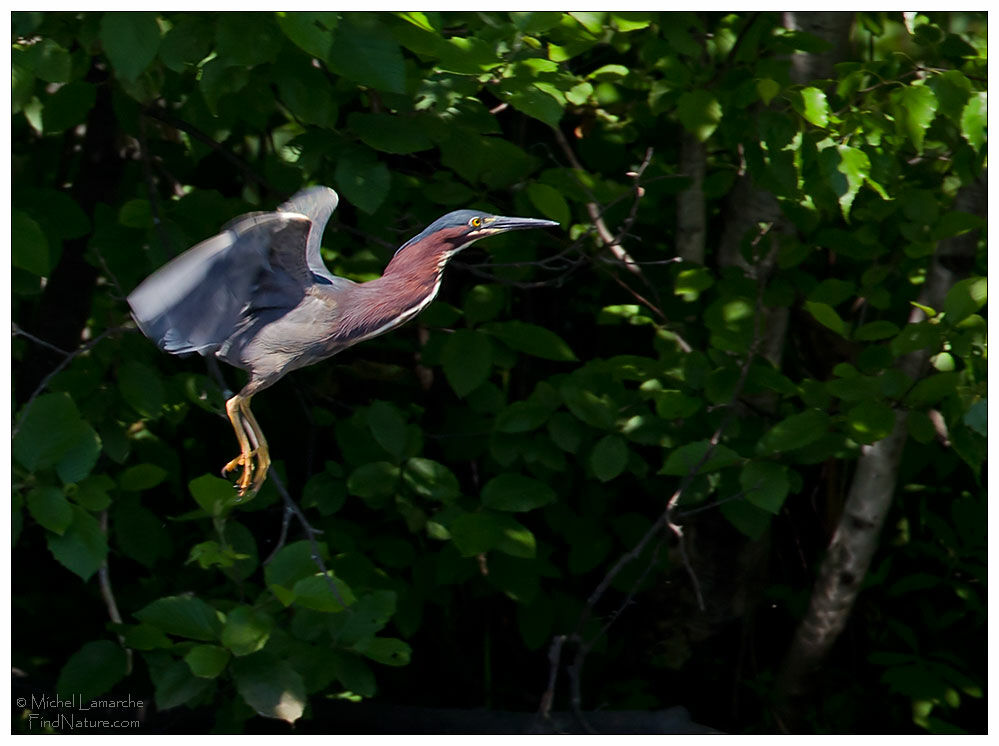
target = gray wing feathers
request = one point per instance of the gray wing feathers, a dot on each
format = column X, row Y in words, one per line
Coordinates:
column 317, row 204
column 193, row 303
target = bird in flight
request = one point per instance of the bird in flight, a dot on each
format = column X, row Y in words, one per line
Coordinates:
column 259, row 297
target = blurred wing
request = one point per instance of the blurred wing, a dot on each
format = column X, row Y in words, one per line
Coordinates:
column 317, row 204
column 194, row 303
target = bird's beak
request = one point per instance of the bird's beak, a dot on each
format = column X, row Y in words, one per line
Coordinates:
column 500, row 224
column 517, row 224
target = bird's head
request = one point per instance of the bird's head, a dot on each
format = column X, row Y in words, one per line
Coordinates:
column 457, row 230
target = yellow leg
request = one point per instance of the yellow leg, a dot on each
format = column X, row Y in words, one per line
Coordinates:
column 261, row 451
column 235, row 408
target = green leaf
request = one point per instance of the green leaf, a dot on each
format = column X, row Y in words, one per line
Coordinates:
column 875, row 330
column 795, row 431
column 746, row 517
column 531, row 339
column 956, row 223
column 515, row 492
column 68, row 106
column 290, row 565
column 549, row 202
column 50, row 508
column 362, row 179
column 79, row 459
column 532, row 99
column 246, row 39
column 672, row 404
column 431, row 21
column 326, row 490
column 467, row 359
column 767, row 89
column 431, row 480
column 916, row 105
column 130, row 41
column 977, row 417
column 214, row 494
column 139, row 533
column 609, row 72
column 187, row 43
column 974, row 120
column 374, row 480
column 965, row 298
column 136, row 213
column 314, row 592
column 832, row 291
column 766, row 484
column 141, row 477
column 390, row 133
column 565, row 432
column 174, row 684
column 144, row 637
column 82, row 546
column 29, row 247
column 596, row 411
column 246, row 630
column 364, row 54
column 483, row 302
column 856, row 166
column 591, row 21
column 827, row 316
column 609, row 457
column 184, row 616
column 388, row 427
column 920, row 336
column 476, row 533
column 49, row 61
column 870, row 421
column 141, row 387
column 690, row 283
column 310, row 31
column 270, row 686
column 522, row 417
column 207, row 661
column 369, row 615
column 388, row 651
column 815, row 108
column 700, row 113
column 685, row 459
column 354, row 674
column 92, row 670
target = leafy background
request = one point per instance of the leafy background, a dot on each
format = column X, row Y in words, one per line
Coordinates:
column 476, row 475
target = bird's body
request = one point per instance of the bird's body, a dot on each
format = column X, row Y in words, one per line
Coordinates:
column 259, row 297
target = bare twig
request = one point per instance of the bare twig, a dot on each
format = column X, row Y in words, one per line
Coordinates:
column 107, row 593
column 177, row 123
column 69, row 357
column 291, row 507
column 594, row 210
column 666, row 519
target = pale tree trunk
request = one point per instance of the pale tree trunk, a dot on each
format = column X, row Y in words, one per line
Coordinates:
column 691, row 219
column 750, row 206
column 855, row 539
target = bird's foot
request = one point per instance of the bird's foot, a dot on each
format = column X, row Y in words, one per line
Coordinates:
column 247, row 478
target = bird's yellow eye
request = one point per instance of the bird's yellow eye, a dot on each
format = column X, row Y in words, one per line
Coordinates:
column 475, row 222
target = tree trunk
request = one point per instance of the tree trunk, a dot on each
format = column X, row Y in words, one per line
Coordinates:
column 855, row 539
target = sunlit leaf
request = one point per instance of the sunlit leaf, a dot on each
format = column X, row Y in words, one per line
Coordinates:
column 700, row 113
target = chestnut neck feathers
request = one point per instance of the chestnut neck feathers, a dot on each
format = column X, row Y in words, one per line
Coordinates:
column 410, row 282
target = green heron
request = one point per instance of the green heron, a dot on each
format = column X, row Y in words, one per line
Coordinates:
column 259, row 297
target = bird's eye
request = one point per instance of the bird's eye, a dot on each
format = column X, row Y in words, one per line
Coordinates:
column 475, row 222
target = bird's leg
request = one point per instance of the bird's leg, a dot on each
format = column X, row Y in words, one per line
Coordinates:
column 261, row 451
column 235, row 408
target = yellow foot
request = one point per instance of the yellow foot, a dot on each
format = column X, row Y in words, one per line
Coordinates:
column 246, row 461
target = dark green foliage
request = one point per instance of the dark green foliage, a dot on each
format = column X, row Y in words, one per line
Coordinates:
column 474, row 476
